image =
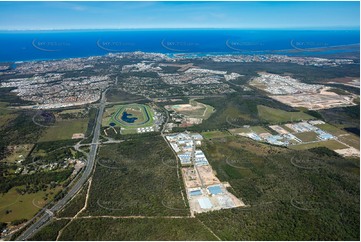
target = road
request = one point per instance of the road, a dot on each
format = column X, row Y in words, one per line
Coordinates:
column 49, row 213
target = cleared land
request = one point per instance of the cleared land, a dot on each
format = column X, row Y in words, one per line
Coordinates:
column 136, row 177
column 294, row 93
column 194, row 109
column 14, row 206
column 274, row 115
column 72, row 111
column 331, row 144
column 240, row 130
column 307, row 136
column 259, row 129
column 322, row 100
column 351, row 140
column 215, row 134
column 331, row 129
column 64, row 129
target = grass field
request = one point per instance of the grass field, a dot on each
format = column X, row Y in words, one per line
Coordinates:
column 4, row 108
column 63, row 130
column 19, row 153
column 331, row 144
column 22, row 206
column 287, row 129
column 351, row 140
column 194, row 109
column 68, row 111
column 6, row 114
column 240, row 130
column 6, row 118
column 136, row 177
column 136, row 229
column 108, row 112
column 259, row 129
column 307, row 136
column 274, row 115
column 331, row 129
column 143, row 114
column 215, row 134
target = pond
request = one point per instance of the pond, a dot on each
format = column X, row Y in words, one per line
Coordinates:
column 126, row 117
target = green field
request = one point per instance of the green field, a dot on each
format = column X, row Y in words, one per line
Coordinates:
column 331, row 144
column 331, row 129
column 240, row 130
column 196, row 109
column 22, row 206
column 259, row 129
column 351, row 140
column 6, row 118
column 307, row 136
column 64, row 129
column 215, row 134
column 274, row 115
column 68, row 111
column 136, row 177
column 18, row 153
column 287, row 129
column 143, row 113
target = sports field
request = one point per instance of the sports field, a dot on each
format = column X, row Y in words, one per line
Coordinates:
column 129, row 117
column 274, row 115
column 64, row 129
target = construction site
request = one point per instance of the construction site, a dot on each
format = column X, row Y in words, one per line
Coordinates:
column 205, row 192
column 295, row 93
column 189, row 114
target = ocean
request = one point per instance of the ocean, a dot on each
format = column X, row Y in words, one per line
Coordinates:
column 43, row 45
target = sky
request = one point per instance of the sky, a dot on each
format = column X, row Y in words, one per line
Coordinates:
column 130, row 15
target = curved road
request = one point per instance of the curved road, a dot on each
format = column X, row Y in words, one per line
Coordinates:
column 49, row 213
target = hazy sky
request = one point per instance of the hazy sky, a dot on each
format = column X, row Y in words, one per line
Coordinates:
column 97, row 15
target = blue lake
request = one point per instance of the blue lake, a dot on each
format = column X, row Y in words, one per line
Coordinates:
column 126, row 117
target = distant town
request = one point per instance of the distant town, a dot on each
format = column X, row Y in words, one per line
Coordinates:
column 60, row 89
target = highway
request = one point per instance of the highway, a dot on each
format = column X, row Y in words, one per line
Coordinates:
column 49, row 213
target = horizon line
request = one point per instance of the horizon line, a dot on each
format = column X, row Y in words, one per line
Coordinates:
column 192, row 28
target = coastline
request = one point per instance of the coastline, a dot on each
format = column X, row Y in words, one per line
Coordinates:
column 26, row 46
